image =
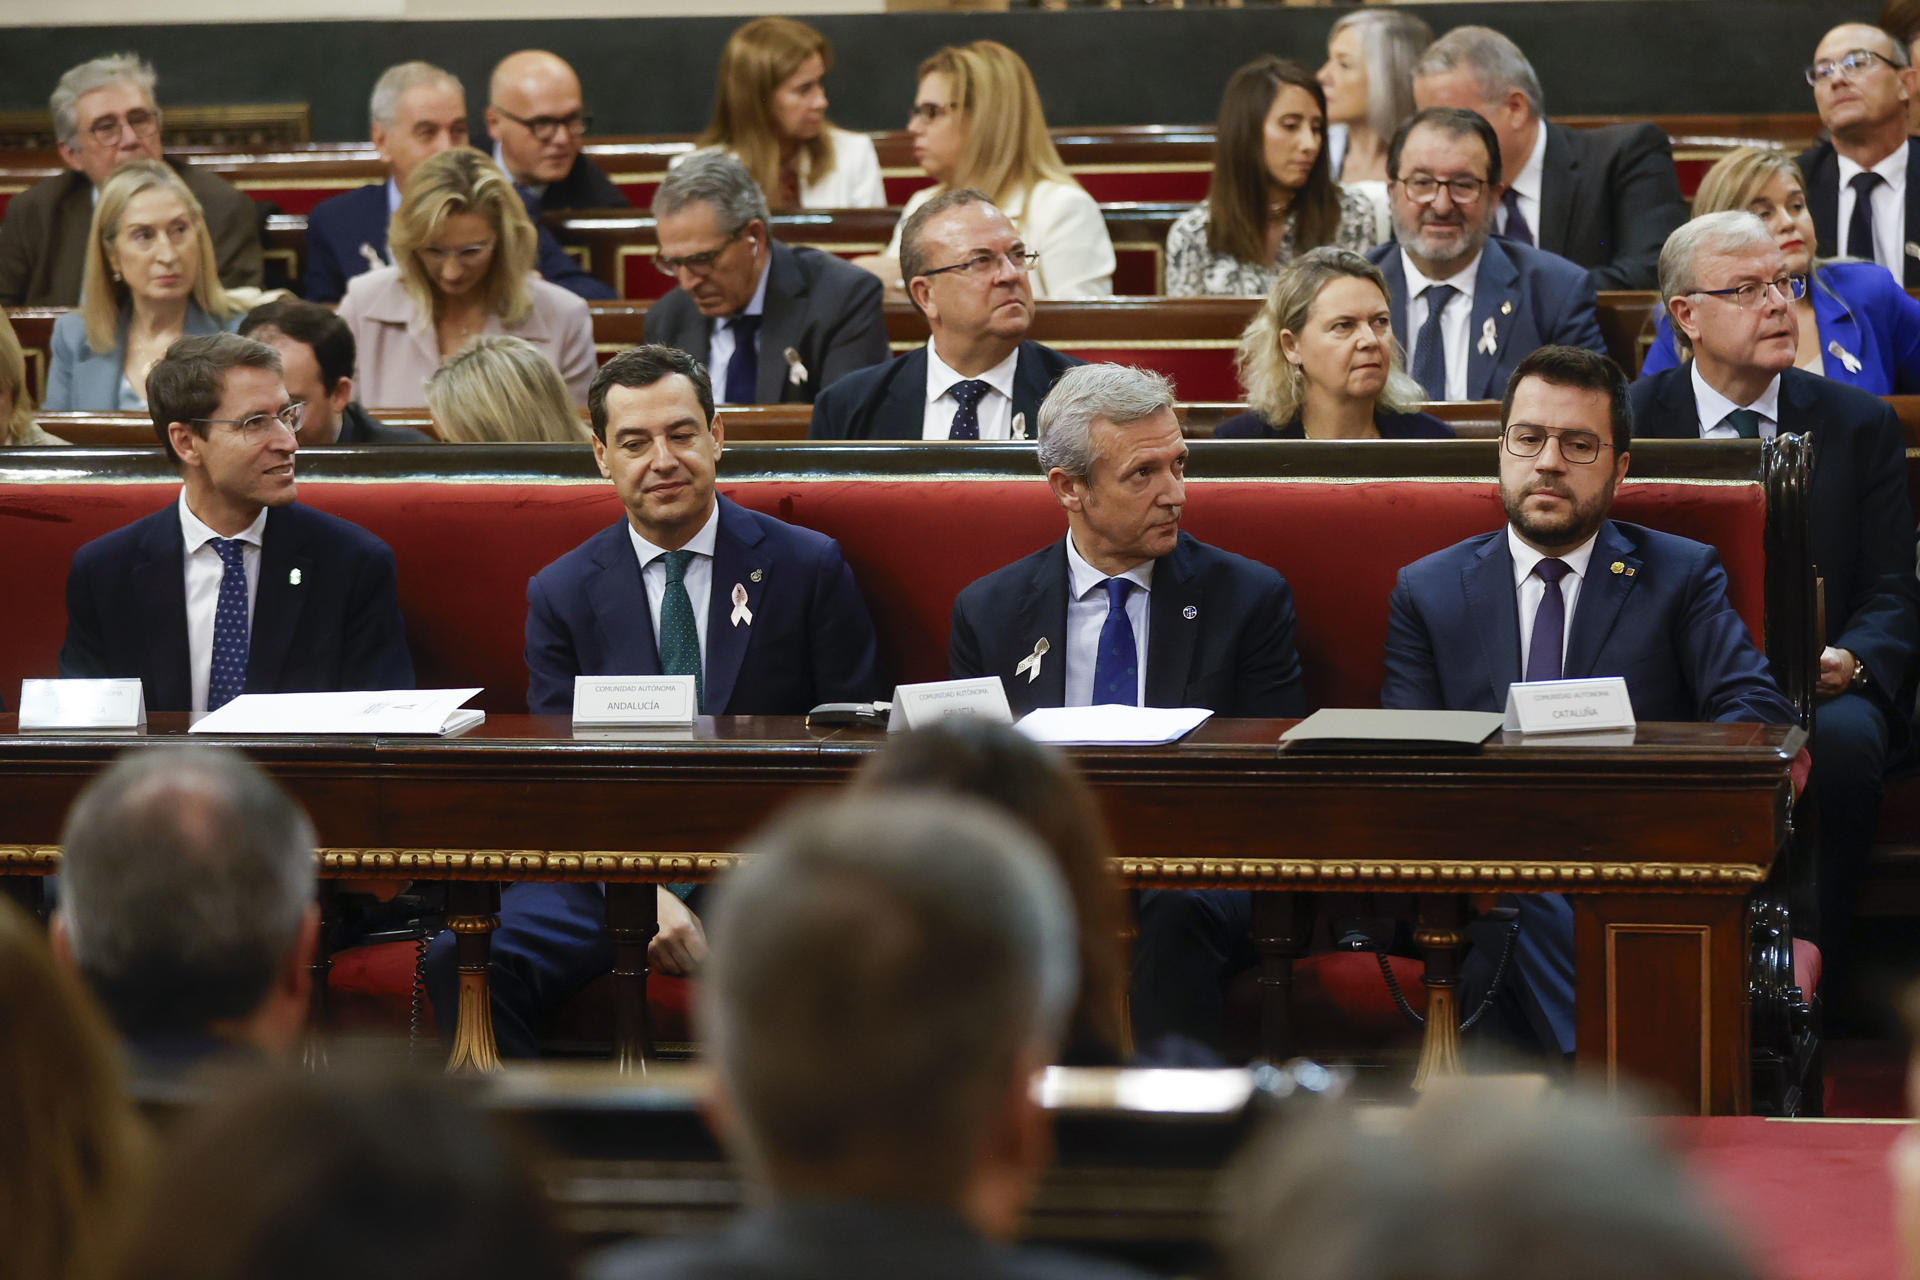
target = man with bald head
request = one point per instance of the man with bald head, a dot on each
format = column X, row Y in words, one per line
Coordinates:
column 1862, row 179
column 538, row 125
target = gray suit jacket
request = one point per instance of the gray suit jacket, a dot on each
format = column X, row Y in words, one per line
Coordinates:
column 80, row 379
column 824, row 309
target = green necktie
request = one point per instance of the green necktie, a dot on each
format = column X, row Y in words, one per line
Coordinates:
column 679, row 638
column 1745, row 422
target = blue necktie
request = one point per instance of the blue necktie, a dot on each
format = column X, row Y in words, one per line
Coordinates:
column 679, row 638
column 228, row 674
column 1116, row 664
column 1430, row 357
column 743, row 369
column 966, row 418
column 1860, row 225
column 1549, row 624
column 1517, row 228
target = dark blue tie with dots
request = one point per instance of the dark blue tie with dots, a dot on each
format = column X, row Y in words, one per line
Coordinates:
column 1116, row 663
column 228, row 674
column 1430, row 357
column 966, row 418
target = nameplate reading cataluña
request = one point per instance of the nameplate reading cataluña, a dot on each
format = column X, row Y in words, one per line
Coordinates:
column 1567, row 706
column 95, row 706
column 628, row 701
column 915, row 706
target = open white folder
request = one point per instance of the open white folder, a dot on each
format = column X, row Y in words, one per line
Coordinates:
column 1111, row 725
column 397, row 711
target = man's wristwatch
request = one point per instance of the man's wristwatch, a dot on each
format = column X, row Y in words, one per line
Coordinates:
column 1861, row 680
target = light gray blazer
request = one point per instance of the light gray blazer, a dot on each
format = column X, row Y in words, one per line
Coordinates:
column 82, row 380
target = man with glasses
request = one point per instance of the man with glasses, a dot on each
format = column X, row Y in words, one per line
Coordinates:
column 1725, row 286
column 104, row 115
column 538, row 128
column 978, row 378
column 1468, row 309
column 1564, row 592
column 1862, row 178
column 234, row 588
column 775, row 325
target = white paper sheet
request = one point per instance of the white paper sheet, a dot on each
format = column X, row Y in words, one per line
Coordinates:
column 398, row 711
column 1111, row 725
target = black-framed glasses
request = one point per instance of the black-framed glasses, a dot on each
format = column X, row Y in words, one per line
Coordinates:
column 699, row 263
column 1749, row 295
column 1424, row 188
column 261, row 423
column 106, row 130
column 985, row 263
column 544, row 127
column 928, row 112
column 1851, row 63
column 1524, row 440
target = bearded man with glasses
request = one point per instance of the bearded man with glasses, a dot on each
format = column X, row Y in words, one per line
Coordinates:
column 1861, row 179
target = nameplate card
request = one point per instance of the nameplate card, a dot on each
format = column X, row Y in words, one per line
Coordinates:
column 1569, row 706
column 915, row 706
column 95, row 706
column 628, row 701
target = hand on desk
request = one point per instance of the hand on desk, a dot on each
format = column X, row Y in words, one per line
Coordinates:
column 1836, row 670
column 680, row 948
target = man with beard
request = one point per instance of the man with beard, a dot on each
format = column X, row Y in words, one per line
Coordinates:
column 1468, row 309
column 1565, row 593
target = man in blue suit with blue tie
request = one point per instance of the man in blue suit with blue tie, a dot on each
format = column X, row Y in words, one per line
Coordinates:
column 1468, row 308
column 1564, row 592
column 763, row 615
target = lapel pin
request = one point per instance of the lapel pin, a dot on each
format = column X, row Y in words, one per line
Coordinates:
column 1844, row 356
column 293, row 578
column 1489, row 338
column 796, row 372
column 756, row 575
column 1189, row 613
column 1617, row 567
column 740, row 611
column 372, row 255
column 1019, row 426
column 1630, row 571
column 1030, row 665
column 1913, row 250
column 1506, row 308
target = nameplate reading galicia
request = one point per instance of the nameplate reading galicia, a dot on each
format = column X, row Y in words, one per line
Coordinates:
column 603, row 701
column 1567, row 706
column 915, row 706
column 96, row 706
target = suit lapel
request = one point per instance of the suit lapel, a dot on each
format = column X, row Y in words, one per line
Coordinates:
column 902, row 413
column 1910, row 246
column 278, row 601
column 1559, row 179
column 74, row 225
column 738, row 561
column 1488, row 584
column 1171, row 634
column 1602, row 595
column 1042, row 615
column 781, row 323
column 1823, row 197
column 1495, row 285
column 160, row 603
column 1397, row 297
column 620, row 612
column 1030, row 387
column 1836, row 324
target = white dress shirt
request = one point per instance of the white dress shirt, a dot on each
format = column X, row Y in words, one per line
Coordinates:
column 698, row 578
column 720, row 335
column 1087, row 613
column 204, row 570
column 1713, row 408
column 1527, row 185
column 1456, row 322
column 1889, row 212
column 995, row 407
column 1529, row 588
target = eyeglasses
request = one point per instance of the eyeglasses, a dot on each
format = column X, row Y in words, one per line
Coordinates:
column 985, row 263
column 261, row 423
column 698, row 263
column 466, row 254
column 1422, row 188
column 1524, row 440
column 1792, row 288
column 106, row 130
column 544, row 127
column 1850, row 64
column 928, row 112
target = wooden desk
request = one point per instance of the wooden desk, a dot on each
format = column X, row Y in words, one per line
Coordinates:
column 1658, row 843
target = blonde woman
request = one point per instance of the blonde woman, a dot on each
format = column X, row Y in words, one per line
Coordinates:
column 770, row 114
column 463, row 252
column 499, row 389
column 1368, row 78
column 977, row 122
column 150, row 278
column 1319, row 361
column 17, row 426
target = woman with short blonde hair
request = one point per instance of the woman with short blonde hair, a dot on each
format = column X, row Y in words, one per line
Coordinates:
column 497, row 390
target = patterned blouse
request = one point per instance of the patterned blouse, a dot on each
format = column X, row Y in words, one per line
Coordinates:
column 1195, row 271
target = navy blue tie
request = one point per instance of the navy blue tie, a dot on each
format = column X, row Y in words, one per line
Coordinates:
column 1116, row 664
column 1860, row 225
column 743, row 368
column 966, row 418
column 1430, row 357
column 1549, row 624
column 1517, row 228
column 228, row 674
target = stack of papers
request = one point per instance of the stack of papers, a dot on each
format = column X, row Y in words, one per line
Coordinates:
column 399, row 711
column 1111, row 725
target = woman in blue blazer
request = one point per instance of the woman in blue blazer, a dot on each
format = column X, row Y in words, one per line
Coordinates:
column 151, row 278
column 1857, row 325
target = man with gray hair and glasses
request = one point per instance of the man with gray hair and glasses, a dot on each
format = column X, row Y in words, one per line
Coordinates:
column 104, row 115
column 1603, row 198
column 187, row 905
column 1725, row 287
column 1126, row 608
column 889, row 976
column 775, row 325
column 1863, row 176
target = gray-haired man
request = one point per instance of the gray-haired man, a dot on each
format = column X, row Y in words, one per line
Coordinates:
column 104, row 115
column 775, row 325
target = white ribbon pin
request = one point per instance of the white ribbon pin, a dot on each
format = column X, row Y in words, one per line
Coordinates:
column 1489, row 338
column 740, row 611
column 1030, row 665
column 1844, row 356
column 1913, row 250
column 293, row 578
column 372, row 255
column 1019, row 426
column 796, row 372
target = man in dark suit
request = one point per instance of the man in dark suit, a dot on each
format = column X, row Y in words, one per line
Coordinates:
column 764, row 615
column 889, row 976
column 536, row 129
column 1864, row 176
column 1714, row 280
column 1603, row 198
column 776, row 325
column 104, row 115
column 977, row 378
column 236, row 587
column 417, row 110
column 1565, row 593
column 316, row 358
column 1468, row 308
column 1127, row 608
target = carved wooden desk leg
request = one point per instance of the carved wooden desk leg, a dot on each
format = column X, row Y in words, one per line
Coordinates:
column 1281, row 924
column 313, row 1049
column 633, row 917
column 1441, row 935
column 473, row 914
